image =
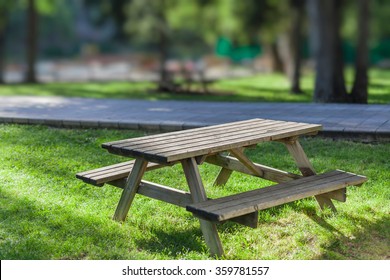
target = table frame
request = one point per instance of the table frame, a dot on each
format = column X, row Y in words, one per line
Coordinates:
column 240, row 162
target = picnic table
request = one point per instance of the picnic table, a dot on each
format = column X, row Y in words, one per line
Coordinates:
column 222, row 145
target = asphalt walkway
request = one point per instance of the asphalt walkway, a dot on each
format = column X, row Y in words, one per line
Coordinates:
column 371, row 122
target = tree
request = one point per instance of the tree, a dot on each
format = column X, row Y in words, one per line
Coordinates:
column 325, row 17
column 3, row 24
column 279, row 26
column 263, row 19
column 164, row 21
column 5, row 9
column 34, row 9
column 148, row 20
column 31, row 42
column 359, row 92
column 295, row 41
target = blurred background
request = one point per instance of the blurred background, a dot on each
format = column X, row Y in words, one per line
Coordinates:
column 154, row 40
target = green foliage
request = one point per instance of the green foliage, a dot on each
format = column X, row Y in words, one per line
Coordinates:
column 147, row 19
column 46, row 213
column 380, row 15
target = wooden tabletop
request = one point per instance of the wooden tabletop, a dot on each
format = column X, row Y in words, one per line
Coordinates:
column 178, row 145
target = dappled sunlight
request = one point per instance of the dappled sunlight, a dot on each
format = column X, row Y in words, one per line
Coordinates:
column 48, row 214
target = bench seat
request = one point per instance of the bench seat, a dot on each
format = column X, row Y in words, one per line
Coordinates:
column 112, row 173
column 225, row 208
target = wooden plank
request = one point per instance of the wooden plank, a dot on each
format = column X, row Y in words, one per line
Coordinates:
column 192, row 140
column 198, row 194
column 151, row 154
column 222, row 177
column 166, row 140
column 164, row 193
column 121, row 173
column 159, row 192
column 287, row 191
column 268, row 173
column 130, row 189
column 237, row 142
column 250, row 136
column 306, row 168
column 238, row 153
column 340, row 195
column 276, row 200
column 249, row 220
column 302, row 161
column 227, row 136
column 200, row 159
column 244, row 203
column 105, row 168
column 287, row 188
column 179, row 198
column 103, row 175
column 219, row 146
column 184, row 133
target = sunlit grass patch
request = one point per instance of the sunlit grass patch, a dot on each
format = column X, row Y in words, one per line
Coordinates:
column 46, row 213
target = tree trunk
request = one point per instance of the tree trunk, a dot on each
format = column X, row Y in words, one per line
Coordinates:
column 165, row 80
column 295, row 39
column 275, row 59
column 359, row 92
column 3, row 30
column 2, row 54
column 165, row 83
column 32, row 36
column 325, row 17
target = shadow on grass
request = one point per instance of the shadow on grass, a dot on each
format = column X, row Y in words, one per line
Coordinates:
column 122, row 90
column 31, row 232
column 28, row 232
column 369, row 239
column 173, row 244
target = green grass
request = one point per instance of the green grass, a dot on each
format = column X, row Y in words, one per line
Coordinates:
column 259, row 88
column 46, row 213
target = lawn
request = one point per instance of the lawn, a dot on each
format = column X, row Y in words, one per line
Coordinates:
column 46, row 213
column 258, row 88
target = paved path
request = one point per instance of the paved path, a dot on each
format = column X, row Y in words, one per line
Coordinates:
column 367, row 121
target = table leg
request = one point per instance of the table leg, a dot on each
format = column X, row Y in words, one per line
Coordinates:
column 130, row 189
column 306, row 168
column 223, row 177
column 198, row 194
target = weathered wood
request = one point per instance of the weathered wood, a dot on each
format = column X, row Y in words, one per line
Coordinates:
column 100, row 176
column 183, row 133
column 176, row 146
column 218, row 133
column 198, row 194
column 164, row 193
column 130, row 189
column 218, row 146
column 340, row 195
column 297, row 152
column 306, row 168
column 249, row 220
column 179, row 198
column 239, row 154
column 268, row 173
column 200, row 159
column 241, row 204
column 222, row 177
column 284, row 188
column 159, row 192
